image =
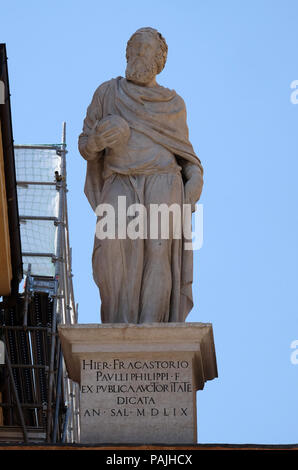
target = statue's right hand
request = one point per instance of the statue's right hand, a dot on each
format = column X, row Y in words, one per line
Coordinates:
column 108, row 132
column 94, row 143
column 98, row 142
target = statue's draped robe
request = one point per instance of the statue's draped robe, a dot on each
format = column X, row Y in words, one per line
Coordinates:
column 119, row 266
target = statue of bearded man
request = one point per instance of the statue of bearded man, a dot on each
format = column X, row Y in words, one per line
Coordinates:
column 135, row 141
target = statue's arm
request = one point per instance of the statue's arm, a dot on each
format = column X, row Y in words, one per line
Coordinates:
column 100, row 133
column 90, row 145
column 192, row 173
column 193, row 177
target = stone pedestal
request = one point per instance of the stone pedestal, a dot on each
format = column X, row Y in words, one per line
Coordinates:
column 138, row 382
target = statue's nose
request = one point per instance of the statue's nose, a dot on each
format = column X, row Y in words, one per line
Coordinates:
column 142, row 50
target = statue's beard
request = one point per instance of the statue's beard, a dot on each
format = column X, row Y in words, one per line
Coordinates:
column 140, row 72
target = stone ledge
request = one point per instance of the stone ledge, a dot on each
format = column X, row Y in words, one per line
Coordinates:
column 149, row 337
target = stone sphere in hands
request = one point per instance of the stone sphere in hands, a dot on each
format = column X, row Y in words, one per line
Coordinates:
column 117, row 123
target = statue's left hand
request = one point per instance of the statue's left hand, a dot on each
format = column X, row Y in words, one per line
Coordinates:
column 193, row 189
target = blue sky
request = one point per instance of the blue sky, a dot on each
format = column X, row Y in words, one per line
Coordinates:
column 233, row 63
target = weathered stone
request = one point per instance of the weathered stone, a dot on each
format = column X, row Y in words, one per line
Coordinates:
column 135, row 141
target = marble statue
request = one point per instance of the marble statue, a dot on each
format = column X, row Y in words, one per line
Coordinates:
column 135, row 141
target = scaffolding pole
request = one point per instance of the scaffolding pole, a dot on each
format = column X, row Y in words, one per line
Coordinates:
column 58, row 270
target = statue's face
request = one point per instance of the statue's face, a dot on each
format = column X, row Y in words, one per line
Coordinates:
column 141, row 65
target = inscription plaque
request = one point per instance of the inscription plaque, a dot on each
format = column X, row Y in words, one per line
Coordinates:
column 141, row 399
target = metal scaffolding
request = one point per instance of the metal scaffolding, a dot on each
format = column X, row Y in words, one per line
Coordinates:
column 37, row 396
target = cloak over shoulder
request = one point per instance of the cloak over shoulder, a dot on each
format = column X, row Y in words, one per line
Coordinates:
column 157, row 112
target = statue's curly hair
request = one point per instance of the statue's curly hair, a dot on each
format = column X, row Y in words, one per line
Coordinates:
column 161, row 55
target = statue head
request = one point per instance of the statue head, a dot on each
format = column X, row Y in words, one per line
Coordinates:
column 146, row 55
